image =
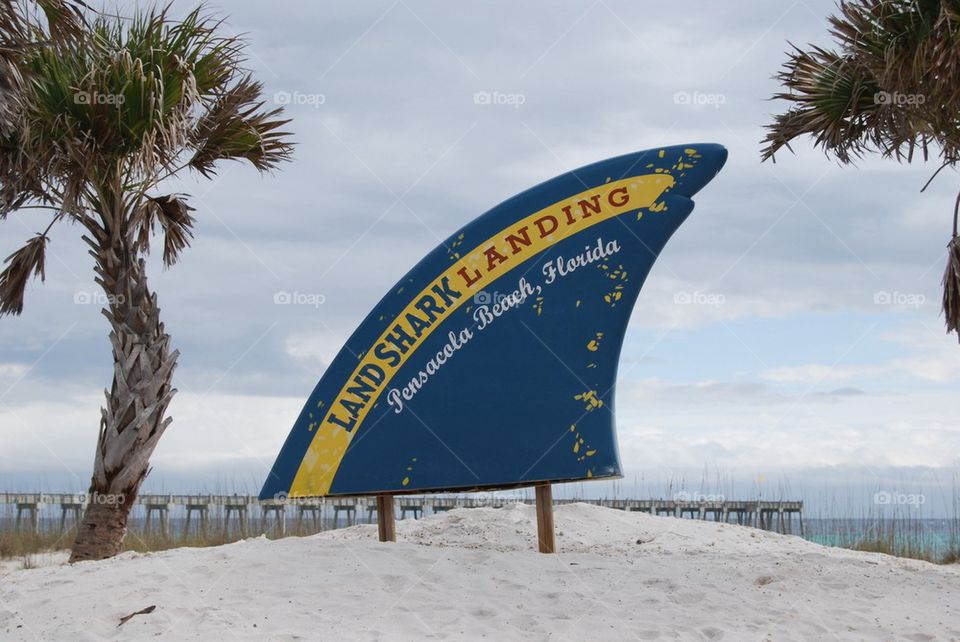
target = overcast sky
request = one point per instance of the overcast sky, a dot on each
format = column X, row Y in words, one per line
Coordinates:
column 791, row 328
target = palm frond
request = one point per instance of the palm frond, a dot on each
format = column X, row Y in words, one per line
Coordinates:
column 907, row 53
column 172, row 214
column 23, row 264
column 65, row 19
column 951, row 287
column 236, row 127
column 834, row 101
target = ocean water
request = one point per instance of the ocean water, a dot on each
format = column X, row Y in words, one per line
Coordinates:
column 935, row 537
column 913, row 536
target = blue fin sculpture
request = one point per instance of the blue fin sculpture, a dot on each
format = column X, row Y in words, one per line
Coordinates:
column 492, row 363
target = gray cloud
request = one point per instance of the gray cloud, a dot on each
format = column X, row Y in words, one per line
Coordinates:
column 394, row 155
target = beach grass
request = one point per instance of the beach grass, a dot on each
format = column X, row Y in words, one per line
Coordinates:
column 23, row 542
column 863, row 524
column 902, row 535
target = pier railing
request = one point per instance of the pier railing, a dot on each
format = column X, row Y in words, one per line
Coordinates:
column 766, row 514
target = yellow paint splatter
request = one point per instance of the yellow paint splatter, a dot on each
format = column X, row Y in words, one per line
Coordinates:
column 590, row 399
column 613, row 297
column 658, row 207
column 580, row 446
column 594, row 344
column 406, row 480
column 617, row 274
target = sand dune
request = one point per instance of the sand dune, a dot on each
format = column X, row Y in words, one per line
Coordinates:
column 473, row 574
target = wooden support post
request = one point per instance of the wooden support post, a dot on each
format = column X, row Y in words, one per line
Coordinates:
column 386, row 523
column 545, row 531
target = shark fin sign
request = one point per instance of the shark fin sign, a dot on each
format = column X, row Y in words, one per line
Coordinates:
column 492, row 363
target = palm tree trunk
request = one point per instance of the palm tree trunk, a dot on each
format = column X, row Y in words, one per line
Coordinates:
column 133, row 419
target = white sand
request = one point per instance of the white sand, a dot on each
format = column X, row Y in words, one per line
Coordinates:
column 473, row 574
column 35, row 560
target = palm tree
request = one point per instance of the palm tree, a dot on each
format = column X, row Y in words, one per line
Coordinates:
column 95, row 112
column 891, row 86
